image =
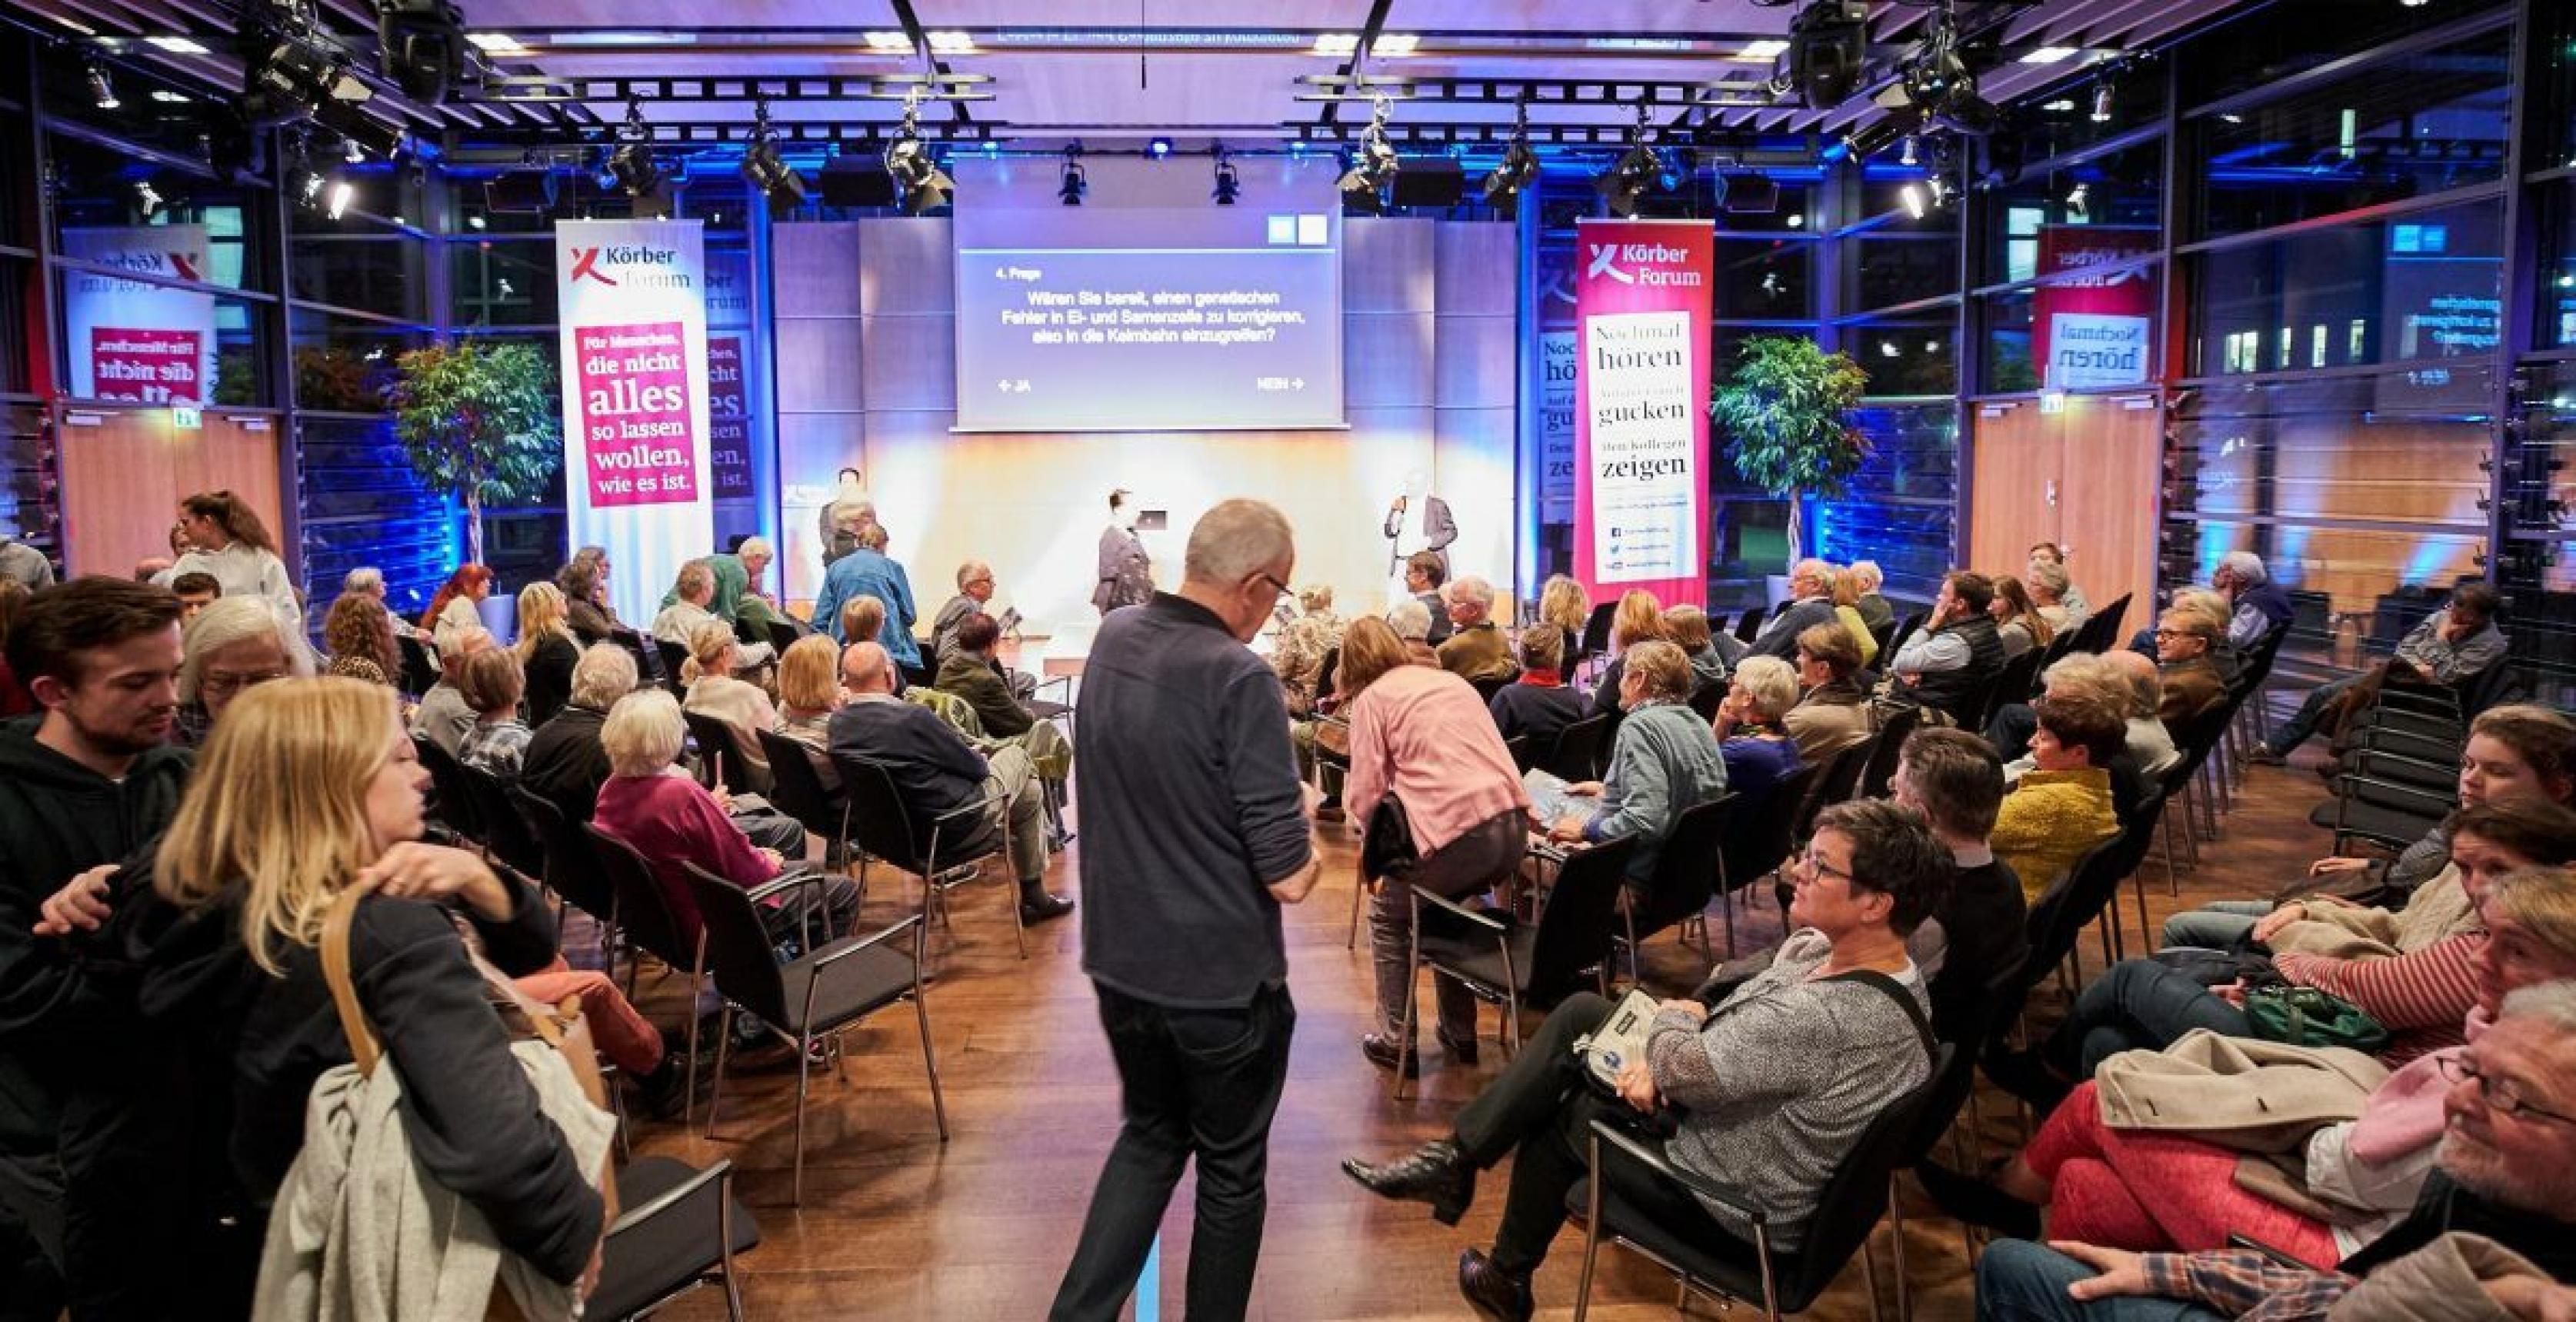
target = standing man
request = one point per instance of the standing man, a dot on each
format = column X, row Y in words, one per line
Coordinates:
column 1194, row 833
column 1432, row 527
column 1125, row 576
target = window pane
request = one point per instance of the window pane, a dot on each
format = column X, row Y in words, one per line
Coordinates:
column 342, row 365
column 2399, row 129
column 28, row 509
column 2556, row 297
column 2005, row 321
column 1905, row 358
column 2424, row 288
column 1764, row 278
column 1880, row 272
column 364, row 506
column 2105, row 209
column 383, row 274
column 503, row 282
column 123, row 211
column 2284, row 37
column 1901, row 509
column 2063, row 122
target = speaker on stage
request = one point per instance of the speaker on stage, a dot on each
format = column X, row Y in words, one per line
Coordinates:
column 1434, row 182
column 857, row 181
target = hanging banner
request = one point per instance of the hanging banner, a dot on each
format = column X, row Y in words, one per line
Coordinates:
column 2091, row 332
column 728, row 418
column 135, row 342
column 1556, row 354
column 1642, row 295
column 634, row 345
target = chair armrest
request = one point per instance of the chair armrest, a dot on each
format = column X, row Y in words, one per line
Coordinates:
column 877, row 939
column 2433, row 747
column 2368, row 756
column 2442, row 804
column 632, row 1217
column 2279, row 1258
column 783, row 882
column 977, row 806
column 1741, row 1202
column 1477, row 916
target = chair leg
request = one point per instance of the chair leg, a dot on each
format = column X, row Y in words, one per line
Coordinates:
column 804, row 1077
column 930, row 1063
column 1412, row 993
column 689, row 1081
column 1896, row 1240
column 1359, row 892
column 724, row 1049
column 1512, row 1023
column 724, row 1238
column 1591, row 1234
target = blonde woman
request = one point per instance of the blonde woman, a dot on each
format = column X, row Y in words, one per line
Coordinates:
column 1563, row 603
column 307, row 789
column 1846, row 594
column 547, row 650
column 713, row 691
column 1639, row 619
column 809, row 691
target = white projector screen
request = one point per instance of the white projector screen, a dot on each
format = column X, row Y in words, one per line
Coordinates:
column 1149, row 307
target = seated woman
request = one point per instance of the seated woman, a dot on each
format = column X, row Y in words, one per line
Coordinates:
column 491, row 682
column 2063, row 807
column 809, row 690
column 1774, row 1085
column 1756, row 747
column 453, row 608
column 1847, row 595
column 866, row 612
column 2420, row 998
column 359, row 633
column 2166, row 1191
column 1831, row 713
column 1563, row 604
column 1688, row 628
column 1664, row 760
column 1297, row 655
column 1638, row 619
column 1414, row 623
column 741, row 705
column 1420, row 738
column 1539, row 704
column 2018, row 623
column 671, row 819
column 547, row 650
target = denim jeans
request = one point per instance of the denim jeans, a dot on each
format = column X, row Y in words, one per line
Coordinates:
column 2018, row 1281
column 1201, row 1083
column 2216, row 926
column 2312, row 710
column 2139, row 1004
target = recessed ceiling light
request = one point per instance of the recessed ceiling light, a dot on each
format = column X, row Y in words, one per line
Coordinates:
column 1337, row 43
column 1394, row 43
column 952, row 43
column 2049, row 55
column 1764, row 51
column 496, row 43
column 169, row 98
column 889, row 41
column 2060, row 106
column 179, row 45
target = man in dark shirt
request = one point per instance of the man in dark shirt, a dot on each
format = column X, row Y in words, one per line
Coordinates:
column 1956, row 780
column 966, row 669
column 1194, row 834
column 1540, row 704
column 936, row 772
column 1811, row 602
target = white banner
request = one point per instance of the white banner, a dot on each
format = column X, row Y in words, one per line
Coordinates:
column 634, row 344
column 1645, row 483
column 1556, row 426
column 2090, row 350
column 136, row 342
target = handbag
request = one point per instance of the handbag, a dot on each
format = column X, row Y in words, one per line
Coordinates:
column 561, row 1027
column 2307, row 1017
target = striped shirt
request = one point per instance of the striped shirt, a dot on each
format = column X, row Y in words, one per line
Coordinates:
column 2421, row 998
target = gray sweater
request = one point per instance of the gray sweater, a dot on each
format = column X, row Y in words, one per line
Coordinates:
column 1781, row 1080
column 1664, row 760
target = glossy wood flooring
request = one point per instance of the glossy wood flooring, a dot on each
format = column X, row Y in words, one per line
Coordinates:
column 897, row 1225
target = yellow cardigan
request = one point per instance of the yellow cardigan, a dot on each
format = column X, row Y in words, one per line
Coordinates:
column 2049, row 820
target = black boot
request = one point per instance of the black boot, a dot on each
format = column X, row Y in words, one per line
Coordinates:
column 1436, row 1173
column 1495, row 1294
column 1037, row 906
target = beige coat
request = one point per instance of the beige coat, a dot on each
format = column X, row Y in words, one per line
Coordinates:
column 2238, row 1092
column 2439, row 910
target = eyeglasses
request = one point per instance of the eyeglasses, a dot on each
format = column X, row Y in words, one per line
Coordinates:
column 228, row 683
column 1282, row 588
column 1815, row 863
column 2501, row 1094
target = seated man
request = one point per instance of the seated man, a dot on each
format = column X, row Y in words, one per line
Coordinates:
column 937, row 771
column 1774, row 1085
column 1424, row 572
column 444, row 715
column 1475, row 648
column 1955, row 780
column 1540, row 704
column 2507, row 1172
column 1811, row 602
column 2193, row 685
column 565, row 763
column 974, row 588
column 2063, row 807
column 691, row 604
column 1947, row 666
column 2446, row 647
column 1831, row 714
column 966, row 668
column 196, row 590
column 737, row 585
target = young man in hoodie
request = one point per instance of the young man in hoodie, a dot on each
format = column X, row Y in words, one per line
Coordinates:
column 84, row 787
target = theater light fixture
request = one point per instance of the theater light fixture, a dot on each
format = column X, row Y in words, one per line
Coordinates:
column 632, row 164
column 1916, row 204
column 922, row 185
column 101, row 90
column 1912, row 156
column 2105, row 100
column 1229, row 181
column 1637, row 171
column 1076, row 182
column 2079, row 205
column 150, row 199
column 1505, row 183
column 1158, row 147
column 342, row 192
column 421, row 45
column 1828, row 44
column 293, row 72
column 764, row 169
column 1373, row 165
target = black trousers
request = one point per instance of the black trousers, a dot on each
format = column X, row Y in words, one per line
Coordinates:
column 1540, row 1112
column 1195, row 1083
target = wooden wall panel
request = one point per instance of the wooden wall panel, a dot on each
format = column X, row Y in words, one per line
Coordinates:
column 123, row 478
column 2108, row 499
column 2016, row 455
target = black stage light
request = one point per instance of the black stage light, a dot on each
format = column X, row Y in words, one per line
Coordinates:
column 101, row 90
column 421, row 47
column 292, row 71
column 1629, row 178
column 1229, row 182
column 1076, row 183
column 1828, row 45
column 1373, row 166
column 857, row 181
column 764, row 169
column 1749, row 194
column 923, row 186
column 1505, row 183
column 634, row 168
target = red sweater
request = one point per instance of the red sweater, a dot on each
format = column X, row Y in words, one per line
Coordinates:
column 2421, row 998
column 672, row 820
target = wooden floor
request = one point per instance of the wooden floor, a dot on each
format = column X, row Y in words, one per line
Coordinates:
column 897, row 1225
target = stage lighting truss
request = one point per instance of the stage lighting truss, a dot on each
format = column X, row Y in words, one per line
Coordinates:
column 766, row 170
column 1373, row 164
column 1934, row 92
column 917, row 177
column 1638, row 171
column 1518, row 169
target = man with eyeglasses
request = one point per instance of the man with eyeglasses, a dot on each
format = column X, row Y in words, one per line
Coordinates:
column 232, row 645
column 2191, row 680
column 2506, row 1173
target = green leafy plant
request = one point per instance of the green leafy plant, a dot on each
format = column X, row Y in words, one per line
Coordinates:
column 1786, row 412
column 478, row 422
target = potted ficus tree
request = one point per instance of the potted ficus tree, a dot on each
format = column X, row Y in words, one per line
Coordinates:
column 1786, row 414
column 479, row 423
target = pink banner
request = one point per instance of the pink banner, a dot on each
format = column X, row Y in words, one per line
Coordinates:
column 728, row 419
column 146, row 366
column 2091, row 332
column 635, row 401
column 1642, row 299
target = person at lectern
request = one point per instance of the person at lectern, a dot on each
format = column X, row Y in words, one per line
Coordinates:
column 1126, row 574
column 845, row 515
column 1418, row 522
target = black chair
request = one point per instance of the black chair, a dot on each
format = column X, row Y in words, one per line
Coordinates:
column 1837, row 778
column 2009, row 684
column 1884, row 634
column 1522, row 756
column 1904, row 633
column 2101, row 630
column 507, row 837
column 1847, row 1214
column 1880, row 773
column 1685, row 877
column 673, row 658
column 1706, row 697
column 645, row 918
column 1327, row 670
column 875, row 818
column 811, row 999
column 1489, row 685
column 1596, row 632
column 678, row 1229
column 1750, row 627
column 720, row 758
column 573, row 869
column 784, row 634
column 797, row 787
column 419, row 668
column 452, row 801
column 2372, row 805
column 1579, row 747
column 1517, row 964
column 1750, row 855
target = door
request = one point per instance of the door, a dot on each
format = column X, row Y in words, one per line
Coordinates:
column 125, row 469
column 2087, row 476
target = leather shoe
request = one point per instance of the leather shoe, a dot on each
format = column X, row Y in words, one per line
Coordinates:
column 1978, row 1202
column 1044, row 908
column 1495, row 1294
column 1382, row 1052
column 1435, row 1173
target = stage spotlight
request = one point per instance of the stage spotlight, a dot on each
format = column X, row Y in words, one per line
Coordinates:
column 1938, row 83
column 1916, row 204
column 922, row 185
column 1911, row 156
column 1373, row 164
column 1828, row 44
column 632, row 164
column 2079, row 205
column 764, row 169
column 421, row 47
column 2105, row 100
column 292, row 72
column 341, row 193
column 1158, row 148
column 1229, row 181
column 1637, row 171
column 1505, row 183
column 101, row 90
column 150, row 199
column 1076, row 183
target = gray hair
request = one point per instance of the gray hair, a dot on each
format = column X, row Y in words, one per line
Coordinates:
column 752, row 546
column 2246, row 566
column 1411, row 621
column 970, row 571
column 2049, row 576
column 605, row 673
column 1866, row 576
column 1235, row 540
column 2553, row 1003
column 366, row 579
column 230, row 620
column 1473, row 589
column 643, row 733
column 1771, row 682
column 695, row 577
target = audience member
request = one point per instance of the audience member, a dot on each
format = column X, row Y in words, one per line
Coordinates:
column 1773, row 1086
column 1123, row 574
column 1421, row 741
column 1297, row 653
column 565, row 763
column 2071, row 596
column 1411, row 621
column 2062, row 807
column 1424, row 573
column 2150, row 744
column 196, row 590
column 1867, row 578
column 688, row 615
column 15, row 701
column 24, row 565
column 2045, row 582
column 937, row 772
column 864, row 618
column 233, row 545
column 1757, row 750
column 2193, row 686
column 2445, row 648
column 584, row 581
column 974, row 588
column 2018, row 624
column 1846, row 597
column 1687, row 628
column 733, row 580
column 2256, row 604
column 443, row 715
column 2123, row 681
column 1664, row 760
column 1540, row 704
column 971, row 673
column 491, row 683
column 547, row 650
column 1811, row 602
column 744, row 708
column 1192, row 839
column 1476, row 648
column 869, row 572
column 672, row 820
column 1639, row 618
column 2224, row 655
column 809, row 691
column 1955, row 780
column 231, row 646
column 452, row 610
column 359, row 631
column 1831, row 713
column 847, row 514
column 368, row 581
column 1946, row 666
column 1562, row 602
